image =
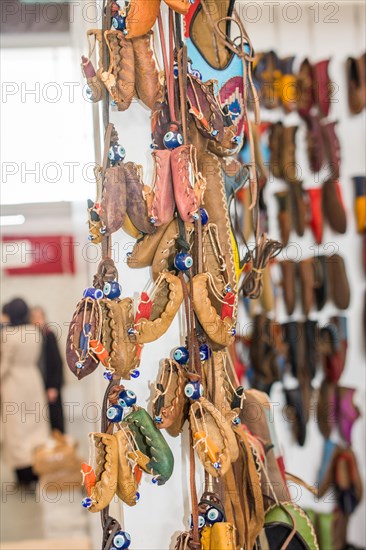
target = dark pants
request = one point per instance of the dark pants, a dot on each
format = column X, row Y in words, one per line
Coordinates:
column 56, row 414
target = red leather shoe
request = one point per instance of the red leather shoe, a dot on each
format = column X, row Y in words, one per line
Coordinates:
column 322, row 86
column 316, row 213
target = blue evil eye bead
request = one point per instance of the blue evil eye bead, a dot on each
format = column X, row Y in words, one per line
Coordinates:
column 119, row 22
column 183, row 261
column 112, row 290
column 204, row 216
column 154, row 480
column 181, row 355
column 217, row 465
column 201, row 521
column 213, row 515
column 79, row 365
column 236, row 421
column 173, row 139
column 214, row 133
column 126, row 398
column 158, row 419
column 236, row 140
column 88, row 93
column 137, row 496
column 86, row 502
column 205, row 352
column 193, row 390
column 102, row 230
column 115, row 413
column 153, row 220
column 227, row 289
column 135, row 373
column 116, row 153
column 196, row 73
column 233, row 331
column 108, row 375
column 94, row 293
column 113, row 103
column 122, row 540
column 131, row 331
column 175, row 70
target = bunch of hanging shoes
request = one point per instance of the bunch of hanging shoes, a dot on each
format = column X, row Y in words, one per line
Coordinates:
column 315, row 280
column 280, row 86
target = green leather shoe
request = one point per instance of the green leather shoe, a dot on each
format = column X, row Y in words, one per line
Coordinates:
column 151, row 443
column 289, row 523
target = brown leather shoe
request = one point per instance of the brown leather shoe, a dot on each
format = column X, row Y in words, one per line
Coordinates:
column 288, row 284
column 356, row 78
column 289, row 168
column 322, row 86
column 333, row 207
column 284, row 216
column 338, row 281
column 332, row 149
column 306, row 275
column 315, row 143
column 298, row 208
column 305, row 89
column 275, row 147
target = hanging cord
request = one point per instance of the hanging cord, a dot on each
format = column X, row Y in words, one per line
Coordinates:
column 168, row 64
column 264, row 251
column 182, row 75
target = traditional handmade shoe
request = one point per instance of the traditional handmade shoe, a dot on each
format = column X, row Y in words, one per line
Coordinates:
column 114, row 200
column 311, row 339
column 360, row 202
column 338, row 281
column 289, row 93
column 316, row 213
column 127, row 484
column 327, row 408
column 147, row 11
column 122, row 65
column 306, row 275
column 180, row 6
column 356, row 84
column 284, row 216
column 322, row 86
column 214, row 202
column 144, row 249
column 268, row 73
column 315, row 143
column 160, row 197
column 152, row 444
column 256, row 414
column 298, row 208
column 347, row 481
column 289, row 167
column 305, row 89
column 213, row 437
column 288, row 284
column 217, row 324
column 135, row 203
column 188, row 183
column 263, row 358
column 340, row 322
column 147, row 85
column 333, row 207
column 155, row 314
column 117, row 321
column 85, row 326
column 331, row 353
column 106, row 469
column 326, row 471
column 347, row 412
column 332, row 149
column 296, row 413
column 170, row 404
column 286, row 520
column 276, row 145
column 170, row 244
column 320, row 281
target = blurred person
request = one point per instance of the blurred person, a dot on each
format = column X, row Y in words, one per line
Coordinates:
column 24, row 420
column 51, row 368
